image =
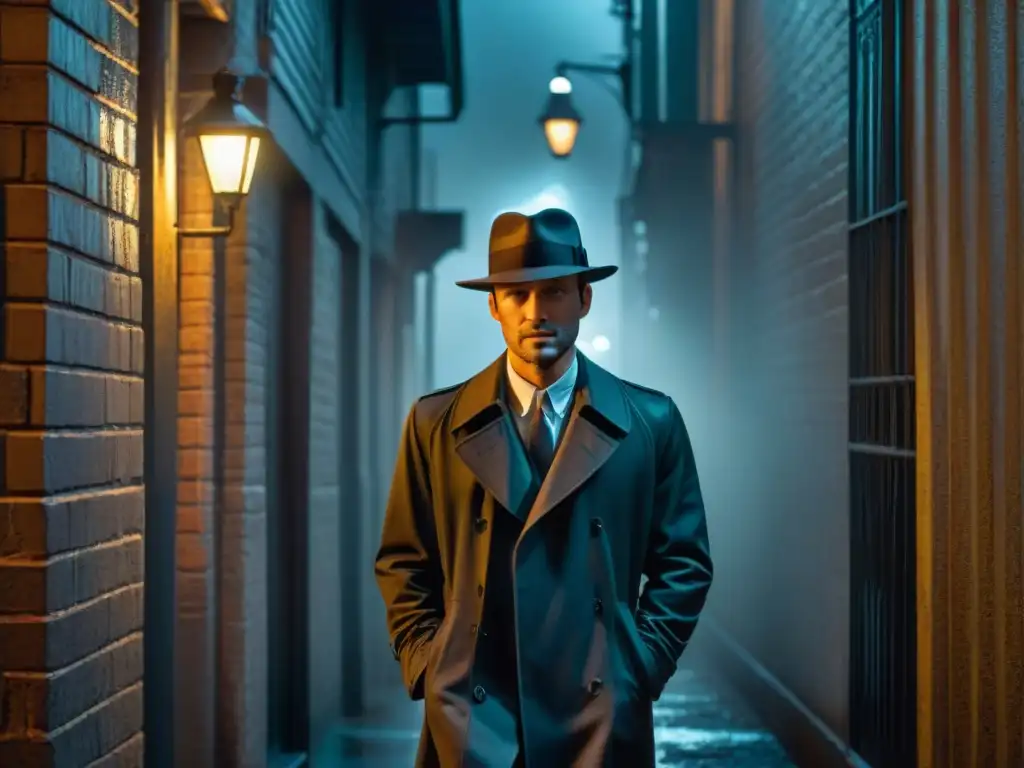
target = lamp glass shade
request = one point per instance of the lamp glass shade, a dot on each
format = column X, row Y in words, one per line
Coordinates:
column 230, row 161
column 561, row 133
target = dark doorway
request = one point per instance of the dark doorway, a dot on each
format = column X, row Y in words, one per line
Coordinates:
column 287, row 426
column 351, row 507
column 882, row 401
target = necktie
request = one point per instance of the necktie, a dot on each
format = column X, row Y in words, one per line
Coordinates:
column 539, row 441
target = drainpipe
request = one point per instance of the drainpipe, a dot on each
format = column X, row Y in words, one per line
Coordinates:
column 158, row 264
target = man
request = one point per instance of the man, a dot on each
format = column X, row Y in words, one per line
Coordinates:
column 526, row 504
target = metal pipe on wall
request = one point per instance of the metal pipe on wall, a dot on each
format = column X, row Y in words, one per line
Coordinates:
column 158, row 258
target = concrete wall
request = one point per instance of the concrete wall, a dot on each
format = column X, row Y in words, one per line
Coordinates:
column 781, row 536
column 70, row 371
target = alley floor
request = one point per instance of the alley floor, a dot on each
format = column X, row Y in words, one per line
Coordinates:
column 698, row 724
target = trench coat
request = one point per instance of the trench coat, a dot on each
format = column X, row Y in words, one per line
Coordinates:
column 513, row 603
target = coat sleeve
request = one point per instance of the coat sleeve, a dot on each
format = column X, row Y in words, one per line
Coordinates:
column 678, row 559
column 408, row 567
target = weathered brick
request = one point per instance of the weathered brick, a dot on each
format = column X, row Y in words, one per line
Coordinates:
column 12, row 152
column 71, row 525
column 42, row 587
column 194, row 463
column 23, row 94
column 101, row 730
column 42, row 333
column 51, row 462
column 195, row 288
column 14, row 399
column 193, row 550
column 129, row 754
column 195, row 491
column 36, row 643
column 24, row 527
column 113, row 30
column 39, row 213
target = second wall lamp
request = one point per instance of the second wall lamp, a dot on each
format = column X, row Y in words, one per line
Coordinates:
column 229, row 137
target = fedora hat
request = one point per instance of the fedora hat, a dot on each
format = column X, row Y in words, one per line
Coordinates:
column 544, row 246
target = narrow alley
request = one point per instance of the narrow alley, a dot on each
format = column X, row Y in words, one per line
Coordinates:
column 246, row 496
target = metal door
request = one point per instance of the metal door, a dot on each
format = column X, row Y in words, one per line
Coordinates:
column 882, row 427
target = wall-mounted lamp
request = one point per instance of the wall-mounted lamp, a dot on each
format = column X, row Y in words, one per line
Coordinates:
column 229, row 138
column 560, row 120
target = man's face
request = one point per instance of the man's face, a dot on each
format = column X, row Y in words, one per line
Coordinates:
column 540, row 321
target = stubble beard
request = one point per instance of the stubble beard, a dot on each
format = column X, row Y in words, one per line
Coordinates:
column 544, row 356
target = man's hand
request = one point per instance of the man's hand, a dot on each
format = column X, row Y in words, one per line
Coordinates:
column 678, row 561
column 408, row 563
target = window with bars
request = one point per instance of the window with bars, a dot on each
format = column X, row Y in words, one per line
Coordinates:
column 881, row 428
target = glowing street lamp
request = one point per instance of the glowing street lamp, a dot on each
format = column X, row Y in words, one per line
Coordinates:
column 229, row 138
column 560, row 120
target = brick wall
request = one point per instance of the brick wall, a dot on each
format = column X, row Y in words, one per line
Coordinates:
column 783, row 540
column 251, row 262
column 196, row 594
column 325, row 491
column 225, row 562
column 71, row 516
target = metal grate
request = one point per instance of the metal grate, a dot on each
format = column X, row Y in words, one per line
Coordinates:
column 882, row 427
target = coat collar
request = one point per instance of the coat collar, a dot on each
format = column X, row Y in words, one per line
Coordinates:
column 487, row 443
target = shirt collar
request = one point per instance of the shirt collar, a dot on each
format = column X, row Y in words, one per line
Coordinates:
column 559, row 393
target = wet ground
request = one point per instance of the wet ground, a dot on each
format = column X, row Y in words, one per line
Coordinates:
column 699, row 723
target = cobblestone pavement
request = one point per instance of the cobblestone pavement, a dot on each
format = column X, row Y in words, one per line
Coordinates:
column 696, row 726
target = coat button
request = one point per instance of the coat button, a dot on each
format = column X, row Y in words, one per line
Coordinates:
column 481, row 525
column 598, row 606
column 595, row 526
column 479, row 694
column 594, row 686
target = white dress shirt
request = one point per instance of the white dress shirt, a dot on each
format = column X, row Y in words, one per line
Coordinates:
column 556, row 405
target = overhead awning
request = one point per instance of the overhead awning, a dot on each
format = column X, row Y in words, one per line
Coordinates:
column 423, row 237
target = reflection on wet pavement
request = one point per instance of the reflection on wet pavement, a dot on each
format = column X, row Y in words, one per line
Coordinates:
column 694, row 727
column 697, row 722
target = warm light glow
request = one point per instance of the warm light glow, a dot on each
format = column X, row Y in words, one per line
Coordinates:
column 230, row 161
column 560, row 85
column 561, row 135
column 601, row 343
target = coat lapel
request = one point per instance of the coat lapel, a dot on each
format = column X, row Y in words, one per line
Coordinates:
column 487, row 442
column 600, row 419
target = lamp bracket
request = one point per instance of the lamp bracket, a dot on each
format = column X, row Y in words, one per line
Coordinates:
column 229, row 207
column 563, row 68
column 623, row 72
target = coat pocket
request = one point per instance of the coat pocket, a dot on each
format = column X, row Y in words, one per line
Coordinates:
column 437, row 650
column 637, row 656
column 631, row 660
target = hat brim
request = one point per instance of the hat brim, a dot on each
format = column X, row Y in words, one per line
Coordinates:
column 535, row 274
